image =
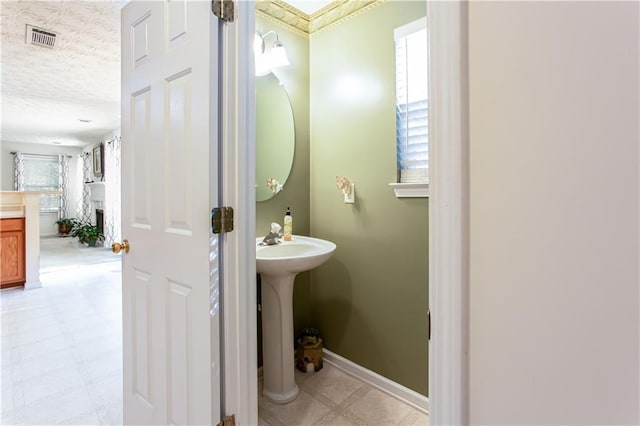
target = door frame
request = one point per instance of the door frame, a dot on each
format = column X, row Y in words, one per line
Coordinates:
column 238, row 255
column 448, row 215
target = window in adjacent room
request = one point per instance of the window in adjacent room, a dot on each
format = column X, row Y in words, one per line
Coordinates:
column 412, row 114
column 44, row 173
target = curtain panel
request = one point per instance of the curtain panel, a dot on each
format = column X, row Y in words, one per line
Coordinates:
column 65, row 200
column 85, row 214
column 18, row 162
column 112, row 221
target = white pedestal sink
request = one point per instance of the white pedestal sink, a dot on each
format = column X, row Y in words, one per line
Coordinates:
column 278, row 266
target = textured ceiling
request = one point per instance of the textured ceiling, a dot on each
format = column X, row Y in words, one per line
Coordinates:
column 44, row 92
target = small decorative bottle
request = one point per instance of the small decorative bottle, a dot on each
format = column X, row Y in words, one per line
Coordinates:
column 288, row 225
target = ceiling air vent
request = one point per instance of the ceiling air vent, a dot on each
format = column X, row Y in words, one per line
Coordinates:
column 40, row 37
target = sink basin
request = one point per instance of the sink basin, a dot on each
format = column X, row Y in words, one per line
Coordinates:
column 278, row 266
column 291, row 257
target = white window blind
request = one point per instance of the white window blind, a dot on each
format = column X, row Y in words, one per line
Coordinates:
column 412, row 90
column 44, row 173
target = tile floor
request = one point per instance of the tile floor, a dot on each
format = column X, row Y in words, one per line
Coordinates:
column 332, row 397
column 61, row 355
column 62, row 344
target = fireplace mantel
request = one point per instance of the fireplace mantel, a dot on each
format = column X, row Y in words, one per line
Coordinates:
column 97, row 190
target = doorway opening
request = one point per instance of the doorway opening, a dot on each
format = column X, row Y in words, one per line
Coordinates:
column 339, row 96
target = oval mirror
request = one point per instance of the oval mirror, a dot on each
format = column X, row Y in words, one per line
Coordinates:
column 275, row 137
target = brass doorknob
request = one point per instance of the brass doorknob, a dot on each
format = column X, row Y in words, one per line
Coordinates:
column 117, row 247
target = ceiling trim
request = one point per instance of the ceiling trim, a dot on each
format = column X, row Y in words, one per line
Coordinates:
column 282, row 13
column 309, row 25
column 339, row 11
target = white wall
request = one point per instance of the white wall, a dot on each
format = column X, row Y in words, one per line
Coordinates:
column 110, row 135
column 47, row 221
column 554, row 184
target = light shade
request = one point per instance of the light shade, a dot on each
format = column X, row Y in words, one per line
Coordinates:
column 266, row 60
column 278, row 55
column 262, row 64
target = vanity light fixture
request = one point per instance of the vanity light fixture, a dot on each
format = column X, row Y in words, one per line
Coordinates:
column 265, row 60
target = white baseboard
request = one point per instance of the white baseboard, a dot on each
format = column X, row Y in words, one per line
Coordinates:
column 413, row 398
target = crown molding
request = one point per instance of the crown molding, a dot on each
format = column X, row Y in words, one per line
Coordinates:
column 339, row 11
column 282, row 13
column 308, row 25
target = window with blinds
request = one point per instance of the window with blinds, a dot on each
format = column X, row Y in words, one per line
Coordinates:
column 44, row 173
column 412, row 112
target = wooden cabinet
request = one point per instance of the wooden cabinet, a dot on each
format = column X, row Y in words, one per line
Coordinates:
column 12, row 252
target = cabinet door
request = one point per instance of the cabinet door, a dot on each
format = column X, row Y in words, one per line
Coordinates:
column 12, row 270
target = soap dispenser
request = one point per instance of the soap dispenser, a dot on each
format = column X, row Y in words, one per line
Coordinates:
column 288, row 225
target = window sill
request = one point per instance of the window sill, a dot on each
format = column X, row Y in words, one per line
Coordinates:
column 411, row 190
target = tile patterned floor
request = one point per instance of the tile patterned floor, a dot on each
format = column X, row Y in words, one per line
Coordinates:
column 62, row 344
column 332, row 397
column 61, row 355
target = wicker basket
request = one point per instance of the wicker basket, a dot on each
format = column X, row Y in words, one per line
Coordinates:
column 309, row 351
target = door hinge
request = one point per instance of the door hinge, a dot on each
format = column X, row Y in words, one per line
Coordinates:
column 429, row 324
column 223, row 9
column 221, row 220
column 228, row 421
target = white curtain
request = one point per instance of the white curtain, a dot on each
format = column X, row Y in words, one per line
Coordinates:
column 65, row 200
column 80, row 193
column 87, row 176
column 112, row 222
column 18, row 162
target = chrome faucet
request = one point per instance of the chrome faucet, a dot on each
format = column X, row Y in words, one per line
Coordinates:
column 272, row 237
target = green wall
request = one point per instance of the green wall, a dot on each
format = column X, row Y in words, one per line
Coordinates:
column 295, row 193
column 370, row 300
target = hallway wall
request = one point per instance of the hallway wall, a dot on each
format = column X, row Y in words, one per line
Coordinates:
column 554, row 181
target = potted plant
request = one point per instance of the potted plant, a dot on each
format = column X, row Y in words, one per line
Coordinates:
column 92, row 235
column 65, row 225
column 87, row 233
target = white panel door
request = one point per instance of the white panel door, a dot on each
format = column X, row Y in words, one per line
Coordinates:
column 169, row 183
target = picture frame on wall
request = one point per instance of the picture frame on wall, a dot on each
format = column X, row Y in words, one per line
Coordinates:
column 98, row 160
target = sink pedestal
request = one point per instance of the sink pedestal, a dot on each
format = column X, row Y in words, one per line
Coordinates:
column 277, row 338
column 278, row 266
